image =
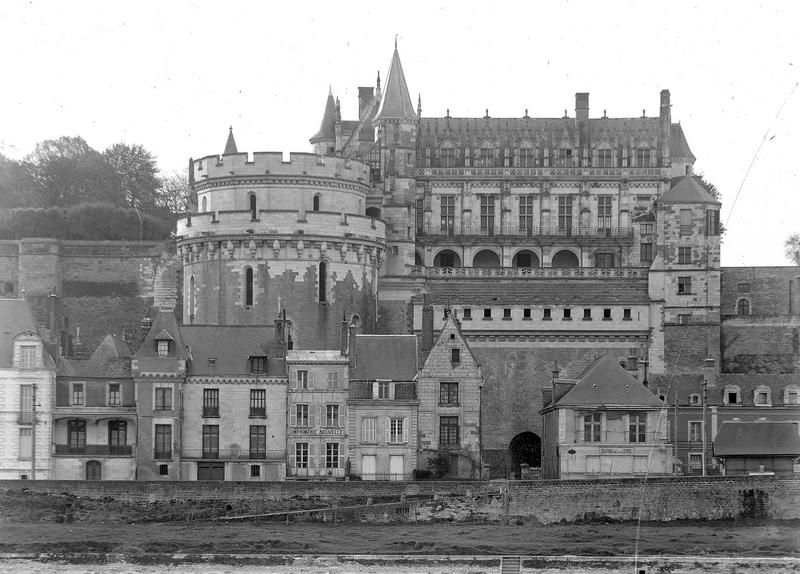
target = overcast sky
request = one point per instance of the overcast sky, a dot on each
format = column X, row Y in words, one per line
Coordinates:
column 173, row 75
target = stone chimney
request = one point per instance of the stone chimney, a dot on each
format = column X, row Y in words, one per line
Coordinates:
column 343, row 337
column 426, row 344
column 665, row 121
column 351, row 347
column 279, row 345
column 710, row 373
column 556, row 370
column 581, row 107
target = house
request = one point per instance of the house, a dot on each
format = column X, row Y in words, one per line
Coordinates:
column 27, row 382
column 604, row 423
column 94, row 417
column 744, row 447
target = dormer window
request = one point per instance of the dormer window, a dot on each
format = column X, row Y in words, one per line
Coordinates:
column 731, row 395
column 162, row 348
column 762, row 396
column 27, row 356
column 642, row 157
column 791, row 395
column 694, row 399
column 258, row 365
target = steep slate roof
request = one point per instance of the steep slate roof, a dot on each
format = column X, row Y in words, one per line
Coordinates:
column 230, row 145
column 536, row 292
column 164, row 324
column 396, row 103
column 678, row 146
column 15, row 318
column 605, row 382
column 230, row 347
column 392, row 357
column 327, row 129
column 111, row 358
column 757, row 438
column 687, row 190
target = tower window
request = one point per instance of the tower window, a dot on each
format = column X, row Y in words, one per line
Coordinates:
column 315, row 206
column 684, row 285
column 248, row 287
column 253, row 207
column 323, row 281
column 743, row 307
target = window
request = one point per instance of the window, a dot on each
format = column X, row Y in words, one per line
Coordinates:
column 448, row 432
column 684, row 285
column 258, row 441
column 384, row 389
column 684, row 255
column 604, row 260
column 258, row 402
column 77, row 393
column 446, row 259
column 447, row 157
column 258, row 365
column 646, row 252
column 253, row 207
column 114, row 398
column 162, row 348
column 448, row 214
column 526, row 313
column 301, row 413
column 642, row 158
column 27, row 356
column 564, row 157
column 368, row 430
column 526, row 213
column 743, row 307
column 694, row 399
column 467, row 313
column 626, row 315
column 587, row 314
column 567, row 314
column 315, row 203
column 25, row 443
column 455, row 356
column 547, row 314
column 487, row 214
column 485, row 157
column 646, row 229
column 712, row 222
column 302, row 380
column 210, row 441
column 695, row 463
column 637, row 426
column 210, row 402
column 205, row 205
column 76, row 433
column 323, row 282
column 397, row 431
column 333, row 380
column 743, row 287
column 506, row 313
column 731, row 395
column 591, row 427
column 762, row 396
column 605, row 158
column 686, row 222
column 526, row 157
column 117, row 436
column 163, row 470
column 26, row 403
column 695, row 431
column 606, row 314
column 248, row 287
column 331, row 415
column 163, row 441
column 255, row 470
column 487, row 313
column 684, row 319
column 163, row 400
column 331, row 455
column 419, row 216
column 301, row 455
column 448, row 394
column 565, row 212
column 604, row 212
column 791, row 395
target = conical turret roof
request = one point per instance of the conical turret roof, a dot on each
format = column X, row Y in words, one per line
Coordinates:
column 327, row 129
column 230, row 145
column 396, row 103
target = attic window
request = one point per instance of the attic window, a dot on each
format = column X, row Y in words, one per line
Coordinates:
column 258, row 365
column 452, row 335
column 455, row 356
column 162, row 347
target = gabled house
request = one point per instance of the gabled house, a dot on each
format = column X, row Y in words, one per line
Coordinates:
column 94, row 417
column 604, row 423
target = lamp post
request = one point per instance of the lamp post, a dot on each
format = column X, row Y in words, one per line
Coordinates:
column 33, row 433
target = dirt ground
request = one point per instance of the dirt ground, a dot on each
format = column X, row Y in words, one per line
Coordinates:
column 597, row 539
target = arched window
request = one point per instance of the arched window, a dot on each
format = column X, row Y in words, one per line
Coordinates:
column 248, row 287
column 192, row 302
column 253, row 206
column 93, row 470
column 565, row 258
column 525, row 258
column 315, row 206
column 205, row 205
column 418, row 259
column 447, row 258
column 486, row 258
column 323, row 281
column 743, row 307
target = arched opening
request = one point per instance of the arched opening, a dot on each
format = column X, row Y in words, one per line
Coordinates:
column 323, row 281
column 253, row 206
column 248, row 287
column 315, row 206
column 418, row 259
column 93, row 470
column 525, row 448
column 486, row 258
column 447, row 258
column 565, row 258
column 373, row 212
column 205, row 205
column 743, row 307
column 525, row 258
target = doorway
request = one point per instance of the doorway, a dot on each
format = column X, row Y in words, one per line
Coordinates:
column 93, row 470
column 368, row 464
column 525, row 448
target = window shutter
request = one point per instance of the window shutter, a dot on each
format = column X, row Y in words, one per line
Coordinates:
column 312, row 416
column 375, row 390
column 578, row 429
column 341, row 415
column 295, row 379
column 391, row 390
column 363, row 430
column 405, row 429
column 310, row 379
column 341, row 458
column 291, row 454
column 312, row 455
column 293, row 416
column 388, row 430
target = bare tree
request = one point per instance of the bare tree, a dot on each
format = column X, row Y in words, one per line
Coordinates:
column 792, row 248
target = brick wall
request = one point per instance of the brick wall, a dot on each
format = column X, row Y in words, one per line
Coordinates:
column 770, row 290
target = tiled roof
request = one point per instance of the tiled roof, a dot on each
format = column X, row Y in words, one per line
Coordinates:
column 605, row 382
column 15, row 318
column 230, row 145
column 392, row 357
column 757, row 438
column 537, row 292
column 678, row 146
column 111, row 358
column 396, row 102
column 687, row 189
column 327, row 129
column 224, row 350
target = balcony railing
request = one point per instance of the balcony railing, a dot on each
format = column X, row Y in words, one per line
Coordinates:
column 210, row 412
column 94, row 450
column 233, row 454
column 574, row 171
column 531, row 272
column 532, row 232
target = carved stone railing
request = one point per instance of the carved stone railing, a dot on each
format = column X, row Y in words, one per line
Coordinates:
column 588, row 172
column 515, row 231
column 530, row 272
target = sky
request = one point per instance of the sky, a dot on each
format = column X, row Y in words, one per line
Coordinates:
column 172, row 76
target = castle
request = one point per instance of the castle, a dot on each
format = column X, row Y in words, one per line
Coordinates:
column 549, row 241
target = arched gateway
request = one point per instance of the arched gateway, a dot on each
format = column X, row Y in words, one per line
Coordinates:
column 525, row 448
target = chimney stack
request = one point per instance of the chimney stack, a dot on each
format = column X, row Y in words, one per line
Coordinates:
column 352, row 350
column 343, row 336
column 280, row 336
column 426, row 344
column 556, row 370
column 581, row 106
column 710, row 372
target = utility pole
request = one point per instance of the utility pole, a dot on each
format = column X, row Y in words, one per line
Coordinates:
column 703, row 385
column 33, row 434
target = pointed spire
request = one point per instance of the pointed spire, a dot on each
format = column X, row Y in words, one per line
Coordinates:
column 396, row 102
column 230, row 145
column 327, row 129
column 419, row 105
column 378, row 85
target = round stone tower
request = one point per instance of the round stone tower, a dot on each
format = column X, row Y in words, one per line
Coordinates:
column 273, row 235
